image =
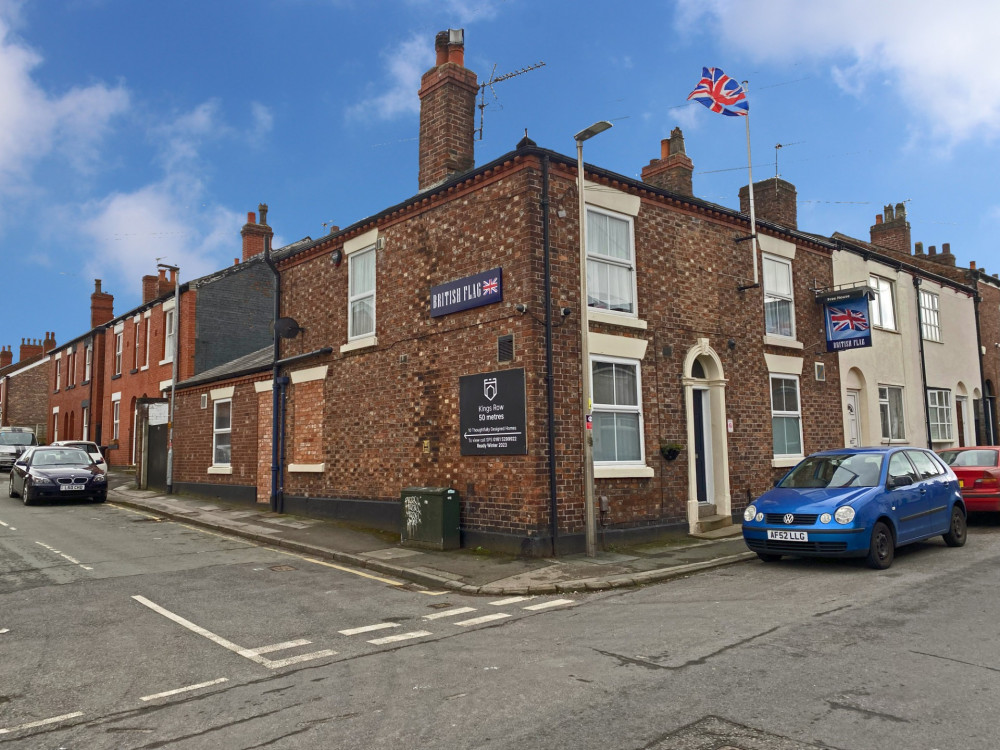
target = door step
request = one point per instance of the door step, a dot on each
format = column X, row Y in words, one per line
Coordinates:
column 706, row 510
column 716, row 527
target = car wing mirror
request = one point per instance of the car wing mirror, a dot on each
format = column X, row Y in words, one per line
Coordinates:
column 901, row 481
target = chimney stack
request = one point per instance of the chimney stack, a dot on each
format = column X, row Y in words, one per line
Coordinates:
column 447, row 112
column 6, row 357
column 29, row 348
column 101, row 306
column 774, row 200
column 672, row 171
column 149, row 289
column 891, row 231
column 50, row 341
column 256, row 236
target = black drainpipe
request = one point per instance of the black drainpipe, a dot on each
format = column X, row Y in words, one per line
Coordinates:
column 549, row 375
column 276, row 357
column 923, row 365
column 984, row 427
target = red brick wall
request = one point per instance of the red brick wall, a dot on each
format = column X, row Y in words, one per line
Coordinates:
column 26, row 398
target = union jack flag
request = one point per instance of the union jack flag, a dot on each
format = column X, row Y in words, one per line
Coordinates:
column 491, row 286
column 720, row 93
column 843, row 319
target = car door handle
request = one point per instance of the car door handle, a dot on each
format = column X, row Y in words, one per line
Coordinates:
column 923, row 490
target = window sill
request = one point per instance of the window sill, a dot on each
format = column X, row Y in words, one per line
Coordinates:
column 895, row 441
column 938, row 441
column 615, row 319
column 784, row 341
column 220, row 470
column 70, row 387
column 144, row 368
column 169, row 361
column 85, row 382
column 785, row 462
column 623, row 472
column 307, row 468
column 364, row 343
column 116, row 376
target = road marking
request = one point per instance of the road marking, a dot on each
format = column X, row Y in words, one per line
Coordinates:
column 341, row 567
column 7, row 526
column 135, row 512
column 433, row 593
column 252, row 654
column 400, row 637
column 553, row 603
column 280, row 646
column 369, row 628
column 41, row 723
column 511, row 600
column 4, row 630
column 484, row 618
column 450, row 613
column 187, row 689
column 65, row 556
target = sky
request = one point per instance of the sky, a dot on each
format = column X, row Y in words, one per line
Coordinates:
column 136, row 133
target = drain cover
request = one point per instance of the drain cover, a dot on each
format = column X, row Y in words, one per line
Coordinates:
column 282, row 568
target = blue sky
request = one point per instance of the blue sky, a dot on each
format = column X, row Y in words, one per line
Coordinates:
column 131, row 131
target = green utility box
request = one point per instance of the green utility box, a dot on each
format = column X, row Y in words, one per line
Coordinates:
column 430, row 517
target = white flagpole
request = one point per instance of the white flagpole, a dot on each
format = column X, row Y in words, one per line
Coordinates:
column 753, row 217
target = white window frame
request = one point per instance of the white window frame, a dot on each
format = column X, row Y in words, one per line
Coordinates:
column 55, row 423
column 88, row 363
column 603, row 260
column 939, row 414
column 354, row 299
column 135, row 354
column 779, row 296
column 883, row 288
column 58, row 362
column 217, row 431
column 169, row 345
column 145, row 351
column 116, row 413
column 119, row 342
column 930, row 321
column 85, row 422
column 885, row 413
column 785, row 413
column 622, row 408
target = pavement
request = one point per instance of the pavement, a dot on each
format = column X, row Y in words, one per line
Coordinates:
column 470, row 571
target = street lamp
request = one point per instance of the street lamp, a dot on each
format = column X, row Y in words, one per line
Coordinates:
column 590, row 516
column 173, row 376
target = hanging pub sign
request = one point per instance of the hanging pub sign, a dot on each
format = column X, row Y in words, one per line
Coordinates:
column 848, row 325
column 483, row 288
column 492, row 415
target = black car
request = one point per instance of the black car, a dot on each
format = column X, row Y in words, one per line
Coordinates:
column 49, row 472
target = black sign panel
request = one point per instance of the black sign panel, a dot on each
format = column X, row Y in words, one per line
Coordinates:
column 484, row 288
column 492, row 414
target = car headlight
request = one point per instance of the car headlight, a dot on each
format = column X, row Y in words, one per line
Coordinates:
column 825, row 518
column 100, row 479
column 749, row 513
column 41, row 480
column 844, row 514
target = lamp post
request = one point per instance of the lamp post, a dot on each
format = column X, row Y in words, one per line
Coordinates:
column 590, row 516
column 173, row 372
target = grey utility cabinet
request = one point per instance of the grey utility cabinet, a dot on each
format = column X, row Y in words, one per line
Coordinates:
column 430, row 517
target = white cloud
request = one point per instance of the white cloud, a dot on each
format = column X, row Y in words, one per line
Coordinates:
column 940, row 61
column 462, row 11
column 35, row 124
column 405, row 65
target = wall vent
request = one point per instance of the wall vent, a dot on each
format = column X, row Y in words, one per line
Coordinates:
column 204, row 401
column 505, row 348
column 820, row 371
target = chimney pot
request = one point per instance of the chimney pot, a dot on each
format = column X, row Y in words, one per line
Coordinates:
column 251, row 217
column 946, row 248
column 262, row 208
column 972, row 265
column 932, row 250
column 878, row 219
column 918, row 248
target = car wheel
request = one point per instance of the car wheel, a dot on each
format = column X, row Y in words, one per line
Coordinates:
column 10, row 487
column 955, row 537
column 767, row 557
column 26, row 494
column 882, row 548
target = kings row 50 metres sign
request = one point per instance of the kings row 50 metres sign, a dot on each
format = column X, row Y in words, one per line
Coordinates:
column 492, row 413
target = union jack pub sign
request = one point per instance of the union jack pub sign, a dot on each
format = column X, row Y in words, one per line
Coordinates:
column 848, row 325
column 483, row 288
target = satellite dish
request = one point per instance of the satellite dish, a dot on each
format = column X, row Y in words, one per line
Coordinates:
column 286, row 328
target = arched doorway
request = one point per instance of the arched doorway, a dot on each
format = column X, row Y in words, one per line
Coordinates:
column 707, row 439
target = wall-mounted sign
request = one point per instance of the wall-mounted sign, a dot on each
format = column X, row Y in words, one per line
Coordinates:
column 481, row 289
column 492, row 413
column 847, row 324
column 158, row 414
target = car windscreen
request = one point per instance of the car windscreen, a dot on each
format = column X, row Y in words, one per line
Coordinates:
column 16, row 438
column 976, row 457
column 837, row 470
column 61, row 457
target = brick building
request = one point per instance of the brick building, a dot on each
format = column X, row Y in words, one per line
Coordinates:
column 470, row 290
column 24, row 385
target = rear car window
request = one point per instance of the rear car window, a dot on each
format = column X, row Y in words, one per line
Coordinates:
column 976, row 457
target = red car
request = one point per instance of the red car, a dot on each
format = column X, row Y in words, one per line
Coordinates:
column 978, row 473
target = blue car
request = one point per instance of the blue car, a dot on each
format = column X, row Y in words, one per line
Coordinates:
column 857, row 502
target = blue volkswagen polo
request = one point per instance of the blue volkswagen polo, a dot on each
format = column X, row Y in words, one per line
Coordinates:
column 857, row 502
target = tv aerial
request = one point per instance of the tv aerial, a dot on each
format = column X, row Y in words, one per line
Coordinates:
column 777, row 148
column 495, row 79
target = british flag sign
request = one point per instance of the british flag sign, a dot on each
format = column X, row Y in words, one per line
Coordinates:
column 847, row 324
column 720, row 93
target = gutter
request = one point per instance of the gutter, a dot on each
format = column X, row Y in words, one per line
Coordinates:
column 923, row 364
column 275, row 499
column 549, row 374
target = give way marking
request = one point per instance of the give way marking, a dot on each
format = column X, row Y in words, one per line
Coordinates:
column 253, row 654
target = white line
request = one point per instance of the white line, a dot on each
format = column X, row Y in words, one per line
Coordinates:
column 484, row 618
column 369, row 628
column 553, row 603
column 297, row 659
column 4, row 630
column 400, row 637
column 280, row 646
column 64, row 555
column 189, row 688
column 340, row 567
column 450, row 613
column 41, row 723
column 511, row 600
column 4, row 525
